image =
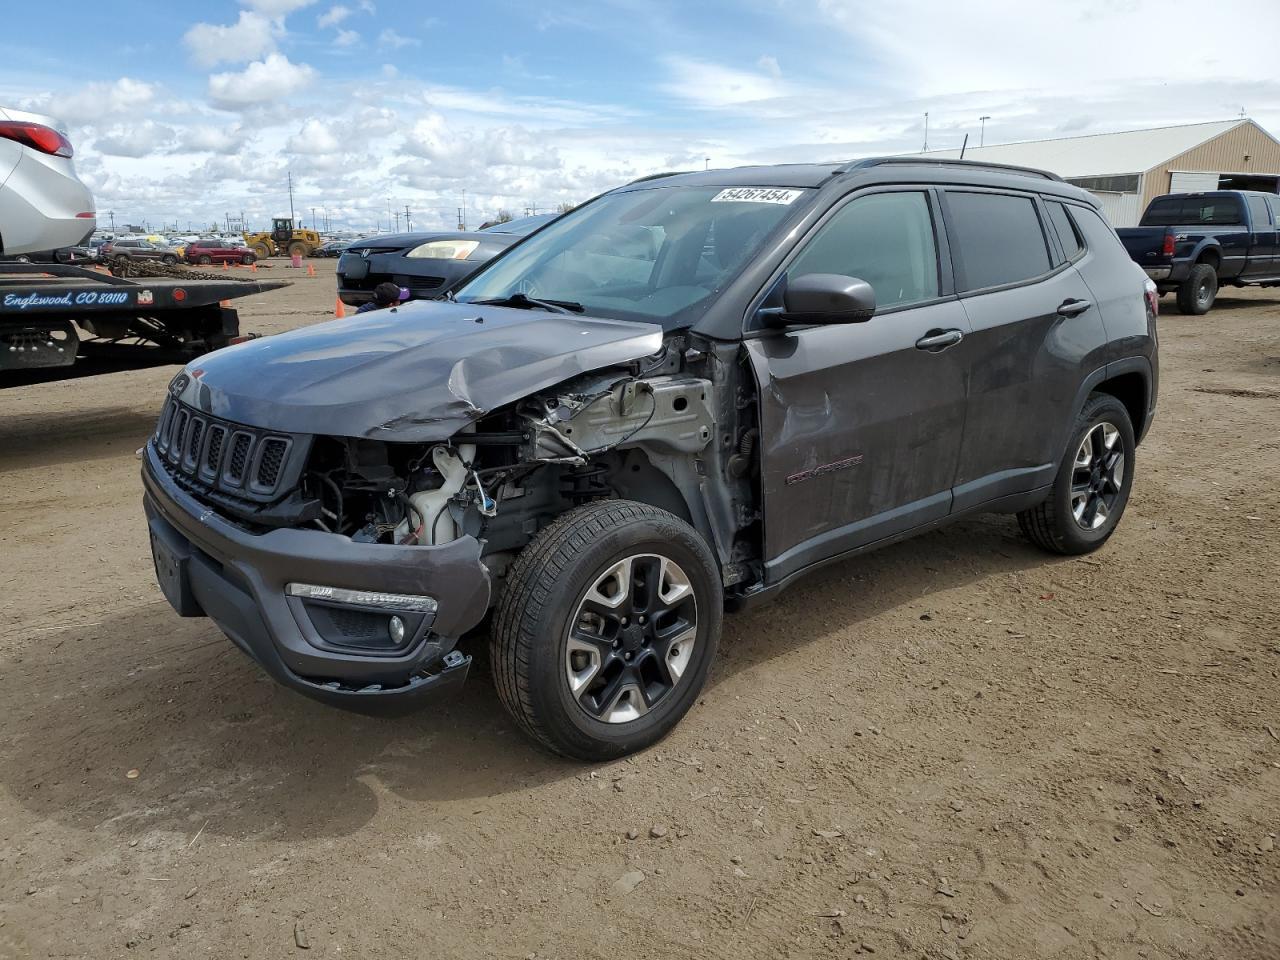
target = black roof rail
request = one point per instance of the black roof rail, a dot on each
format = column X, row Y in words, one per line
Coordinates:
column 658, row 176
column 941, row 162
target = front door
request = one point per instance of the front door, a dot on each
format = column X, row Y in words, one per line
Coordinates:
column 861, row 422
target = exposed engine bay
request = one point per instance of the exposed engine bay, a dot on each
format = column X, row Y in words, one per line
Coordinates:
column 654, row 431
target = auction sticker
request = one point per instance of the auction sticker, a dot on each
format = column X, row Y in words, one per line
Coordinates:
column 756, row 195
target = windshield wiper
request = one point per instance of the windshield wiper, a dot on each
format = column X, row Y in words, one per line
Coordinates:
column 524, row 301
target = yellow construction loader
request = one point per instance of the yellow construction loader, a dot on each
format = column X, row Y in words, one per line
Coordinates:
column 284, row 239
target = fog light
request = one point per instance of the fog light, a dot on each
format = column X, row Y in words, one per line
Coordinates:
column 396, row 630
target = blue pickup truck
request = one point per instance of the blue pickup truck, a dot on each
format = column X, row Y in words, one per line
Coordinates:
column 1193, row 243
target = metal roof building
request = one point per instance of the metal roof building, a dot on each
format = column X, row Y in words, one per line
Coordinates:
column 1126, row 170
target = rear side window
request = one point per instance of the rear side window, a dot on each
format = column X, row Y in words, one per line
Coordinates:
column 1098, row 235
column 1065, row 229
column 1259, row 213
column 885, row 239
column 996, row 239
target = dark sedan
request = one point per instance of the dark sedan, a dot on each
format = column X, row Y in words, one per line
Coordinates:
column 427, row 264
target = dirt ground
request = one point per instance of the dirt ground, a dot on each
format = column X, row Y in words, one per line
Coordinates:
column 958, row 747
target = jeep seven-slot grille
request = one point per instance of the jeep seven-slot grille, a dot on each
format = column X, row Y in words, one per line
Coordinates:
column 234, row 460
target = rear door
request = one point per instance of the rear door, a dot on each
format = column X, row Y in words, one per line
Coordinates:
column 1262, row 249
column 861, row 422
column 1034, row 322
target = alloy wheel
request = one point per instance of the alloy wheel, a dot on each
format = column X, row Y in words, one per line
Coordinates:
column 631, row 638
column 1097, row 476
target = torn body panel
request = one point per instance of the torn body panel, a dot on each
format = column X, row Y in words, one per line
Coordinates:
column 417, row 373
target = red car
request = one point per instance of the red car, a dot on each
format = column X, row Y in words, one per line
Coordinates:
column 212, row 251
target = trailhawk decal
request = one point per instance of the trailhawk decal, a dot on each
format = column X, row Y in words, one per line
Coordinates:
column 83, row 298
column 756, row 195
column 823, row 470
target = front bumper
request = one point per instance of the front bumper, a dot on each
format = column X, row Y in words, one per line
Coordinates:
column 208, row 566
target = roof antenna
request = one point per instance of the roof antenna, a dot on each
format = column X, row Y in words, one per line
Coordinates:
column 964, row 145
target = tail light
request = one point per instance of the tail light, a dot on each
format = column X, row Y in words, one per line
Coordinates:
column 1152, row 294
column 36, row 136
column 1167, row 249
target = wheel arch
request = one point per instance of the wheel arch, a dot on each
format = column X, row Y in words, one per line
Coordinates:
column 1210, row 255
column 1129, row 381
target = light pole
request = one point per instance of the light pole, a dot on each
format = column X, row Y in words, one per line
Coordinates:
column 982, row 131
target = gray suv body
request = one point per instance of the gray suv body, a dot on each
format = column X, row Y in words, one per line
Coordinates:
column 672, row 401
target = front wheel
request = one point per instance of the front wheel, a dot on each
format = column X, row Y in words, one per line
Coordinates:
column 168, row 260
column 606, row 629
column 247, row 259
column 204, row 260
column 1093, row 482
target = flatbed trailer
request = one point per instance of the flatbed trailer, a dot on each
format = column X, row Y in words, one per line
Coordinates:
column 55, row 316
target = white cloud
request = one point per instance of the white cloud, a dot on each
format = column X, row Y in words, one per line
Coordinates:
column 395, row 40
column 133, row 139
column 315, row 137
column 713, row 86
column 458, row 152
column 769, row 64
column 96, row 101
column 249, row 37
column 277, row 8
column 346, row 38
column 262, row 81
column 333, row 16
column 210, row 138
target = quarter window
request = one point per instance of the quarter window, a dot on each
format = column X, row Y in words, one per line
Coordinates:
column 997, row 238
column 885, row 239
column 1065, row 229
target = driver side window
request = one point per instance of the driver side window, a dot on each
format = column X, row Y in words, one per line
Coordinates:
column 885, row 239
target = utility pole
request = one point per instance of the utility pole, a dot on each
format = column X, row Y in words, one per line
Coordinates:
column 313, row 218
column 290, row 196
column 462, row 225
column 925, row 148
column 408, row 224
column 397, row 216
column 982, row 131
column 112, row 215
column 706, row 163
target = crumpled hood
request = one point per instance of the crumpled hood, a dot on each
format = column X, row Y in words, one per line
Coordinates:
column 415, row 373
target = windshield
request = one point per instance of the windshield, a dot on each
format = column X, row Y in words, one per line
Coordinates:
column 658, row 254
column 1171, row 211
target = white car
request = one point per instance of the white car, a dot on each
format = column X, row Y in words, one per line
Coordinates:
column 43, row 204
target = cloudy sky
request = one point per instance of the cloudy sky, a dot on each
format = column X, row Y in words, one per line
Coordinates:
column 183, row 112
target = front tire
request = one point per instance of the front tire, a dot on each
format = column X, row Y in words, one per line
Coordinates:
column 248, row 259
column 606, row 629
column 204, row 260
column 168, row 260
column 1093, row 482
column 1197, row 293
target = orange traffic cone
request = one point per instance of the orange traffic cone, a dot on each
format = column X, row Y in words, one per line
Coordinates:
column 311, row 270
column 339, row 310
column 224, row 266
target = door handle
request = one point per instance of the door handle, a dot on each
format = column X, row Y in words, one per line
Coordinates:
column 1073, row 308
column 939, row 340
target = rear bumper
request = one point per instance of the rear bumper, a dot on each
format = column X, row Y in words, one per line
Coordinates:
column 207, row 566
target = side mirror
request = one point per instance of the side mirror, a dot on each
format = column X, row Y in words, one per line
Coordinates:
column 824, row 298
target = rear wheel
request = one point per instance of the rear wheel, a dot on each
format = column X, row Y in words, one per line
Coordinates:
column 298, row 249
column 1197, row 292
column 204, row 260
column 606, row 629
column 260, row 251
column 1093, row 482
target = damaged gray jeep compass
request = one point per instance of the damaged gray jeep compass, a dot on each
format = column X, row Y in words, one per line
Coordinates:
column 677, row 398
